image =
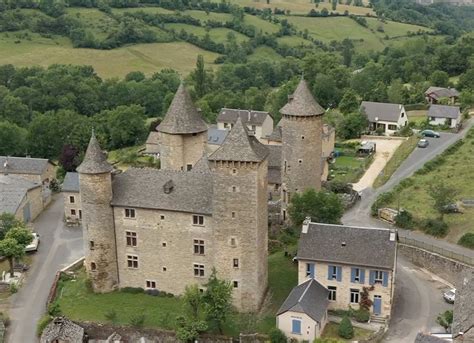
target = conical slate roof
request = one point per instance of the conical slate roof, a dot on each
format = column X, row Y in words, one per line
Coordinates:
column 302, row 102
column 94, row 161
column 182, row 116
column 239, row 146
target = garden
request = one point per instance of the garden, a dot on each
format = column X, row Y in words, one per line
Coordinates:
column 349, row 166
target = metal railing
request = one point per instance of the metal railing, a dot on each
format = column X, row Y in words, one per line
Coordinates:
column 437, row 250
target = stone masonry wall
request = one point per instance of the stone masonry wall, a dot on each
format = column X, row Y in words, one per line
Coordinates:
column 176, row 151
column 68, row 206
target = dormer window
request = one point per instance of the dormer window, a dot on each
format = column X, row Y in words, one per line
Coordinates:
column 168, row 187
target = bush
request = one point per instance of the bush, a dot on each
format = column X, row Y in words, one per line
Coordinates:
column 382, row 200
column 152, row 292
column 132, row 290
column 111, row 315
column 13, row 288
column 54, row 310
column 345, row 329
column 404, row 219
column 467, row 240
column 277, row 336
column 42, row 323
column 362, row 316
column 435, row 227
column 137, row 321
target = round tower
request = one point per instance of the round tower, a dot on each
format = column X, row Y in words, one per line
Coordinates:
column 182, row 133
column 95, row 181
column 301, row 165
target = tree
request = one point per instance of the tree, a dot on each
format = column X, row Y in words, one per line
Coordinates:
column 193, row 300
column 345, row 329
column 349, row 102
column 445, row 319
column 322, row 207
column 351, row 125
column 8, row 222
column 69, row 158
column 199, row 76
column 466, row 80
column 277, row 336
column 12, row 139
column 326, row 90
column 396, row 92
column 14, row 243
column 439, row 78
column 443, row 196
column 217, row 301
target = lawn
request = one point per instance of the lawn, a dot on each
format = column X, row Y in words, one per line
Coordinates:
column 349, row 168
column 418, row 117
column 260, row 24
column 264, row 53
column 218, row 34
column 203, row 16
column 293, row 41
column 151, row 10
column 148, row 58
column 393, row 29
column 330, row 331
column 99, row 23
column 77, row 303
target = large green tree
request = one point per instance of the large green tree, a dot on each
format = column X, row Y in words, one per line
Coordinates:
column 12, row 139
column 14, row 243
column 217, row 301
column 8, row 222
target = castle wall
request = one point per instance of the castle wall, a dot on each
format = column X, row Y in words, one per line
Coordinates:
column 177, row 151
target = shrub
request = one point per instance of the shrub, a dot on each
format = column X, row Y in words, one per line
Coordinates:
column 345, row 329
column 42, row 323
column 111, row 315
column 152, row 292
column 382, row 200
column 435, row 227
column 88, row 284
column 467, row 240
column 133, row 290
column 54, row 309
column 137, row 321
column 362, row 315
column 277, row 336
column 404, row 219
column 13, row 288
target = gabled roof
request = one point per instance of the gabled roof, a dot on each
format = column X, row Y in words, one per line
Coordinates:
column 71, row 182
column 302, row 102
column 239, row 146
column 463, row 320
column 192, row 191
column 95, row 161
column 360, row 246
column 441, row 92
column 12, row 191
column 443, row 111
column 182, row 116
column 310, row 298
column 381, row 111
column 229, row 115
column 23, row 165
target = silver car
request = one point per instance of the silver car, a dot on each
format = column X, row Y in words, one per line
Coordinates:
column 450, row 295
column 423, row 143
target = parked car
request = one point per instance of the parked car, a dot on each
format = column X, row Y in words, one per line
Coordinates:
column 430, row 133
column 451, row 208
column 450, row 295
column 423, row 143
column 33, row 246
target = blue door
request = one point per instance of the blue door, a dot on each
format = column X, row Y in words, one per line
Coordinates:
column 26, row 213
column 377, row 305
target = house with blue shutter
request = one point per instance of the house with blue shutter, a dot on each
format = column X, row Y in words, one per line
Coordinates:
column 345, row 259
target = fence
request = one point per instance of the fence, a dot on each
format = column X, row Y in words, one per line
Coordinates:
column 437, row 250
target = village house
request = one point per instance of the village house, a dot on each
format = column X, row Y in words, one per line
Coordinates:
column 72, row 198
column 260, row 123
column 346, row 260
column 444, row 115
column 384, row 117
column 434, row 95
column 20, row 197
column 39, row 170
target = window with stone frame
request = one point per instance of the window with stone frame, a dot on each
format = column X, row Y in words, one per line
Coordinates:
column 355, row 296
column 131, row 238
column 150, row 284
column 132, row 261
column 198, row 270
column 72, row 199
column 198, row 247
column 198, row 220
column 93, row 266
column 129, row 213
column 189, row 167
column 73, row 212
column 236, row 284
column 332, row 293
column 235, row 263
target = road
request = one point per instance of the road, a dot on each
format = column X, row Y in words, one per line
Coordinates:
column 417, row 296
column 59, row 247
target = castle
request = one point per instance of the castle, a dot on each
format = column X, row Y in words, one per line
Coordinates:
column 169, row 228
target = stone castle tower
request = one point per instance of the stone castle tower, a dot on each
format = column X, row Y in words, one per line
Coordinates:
column 95, row 180
column 182, row 133
column 239, row 169
column 301, row 167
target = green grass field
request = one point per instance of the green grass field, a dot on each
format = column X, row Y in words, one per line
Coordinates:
column 331, row 332
column 203, row 16
column 264, row 53
column 218, row 34
column 100, row 24
column 393, row 29
column 293, row 41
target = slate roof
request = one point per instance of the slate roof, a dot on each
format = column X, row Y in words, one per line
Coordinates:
column 239, row 146
column 250, row 117
column 274, row 156
column 275, row 135
column 12, row 191
column 216, row 136
column 274, row 176
column 441, row 92
column 302, row 102
column 463, row 320
column 64, row 330
column 95, row 161
column 363, row 246
column 182, row 116
column 23, row 165
column 144, row 188
column 71, row 182
column 310, row 298
column 443, row 111
column 381, row 110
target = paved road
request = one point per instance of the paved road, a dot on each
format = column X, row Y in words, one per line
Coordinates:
column 417, row 296
column 59, row 247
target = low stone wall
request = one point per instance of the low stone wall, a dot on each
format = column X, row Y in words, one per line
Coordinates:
column 390, row 138
column 444, row 267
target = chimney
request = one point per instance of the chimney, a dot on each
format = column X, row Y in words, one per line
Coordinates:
column 248, row 115
column 393, row 235
column 305, row 227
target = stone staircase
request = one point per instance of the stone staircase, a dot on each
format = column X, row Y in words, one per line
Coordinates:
column 378, row 319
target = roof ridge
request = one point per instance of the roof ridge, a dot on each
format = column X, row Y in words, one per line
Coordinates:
column 305, row 290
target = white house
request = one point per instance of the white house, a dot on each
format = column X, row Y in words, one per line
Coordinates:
column 259, row 122
column 388, row 117
column 444, row 115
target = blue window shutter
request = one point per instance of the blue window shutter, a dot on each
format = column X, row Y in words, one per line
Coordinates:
column 353, row 274
column 385, row 279
column 296, row 326
column 338, row 273
column 362, row 275
column 329, row 272
column 371, row 277
column 311, row 271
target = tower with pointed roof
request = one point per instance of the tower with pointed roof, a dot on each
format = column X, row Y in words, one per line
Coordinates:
column 182, row 133
column 301, row 144
column 240, row 233
column 95, row 179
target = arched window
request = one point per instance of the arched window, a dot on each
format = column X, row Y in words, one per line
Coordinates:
column 93, row 266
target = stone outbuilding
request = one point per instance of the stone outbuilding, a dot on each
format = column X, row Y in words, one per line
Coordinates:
column 62, row 330
column 20, row 197
column 72, row 198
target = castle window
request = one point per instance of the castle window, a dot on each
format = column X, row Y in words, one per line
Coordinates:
column 233, row 214
column 236, row 263
column 302, row 137
column 236, row 284
column 129, row 213
column 355, row 296
column 150, row 284
column 73, row 212
column 93, row 266
column 284, row 167
column 234, row 171
column 162, row 217
column 72, row 200
column 234, row 189
column 198, row 220
column 164, row 269
column 189, row 167
column 332, row 293
column 132, row 261
column 300, row 161
column 91, row 245
column 233, row 242
column 198, row 247
column 131, row 238
column 163, row 244
column 199, row 270
column 254, row 128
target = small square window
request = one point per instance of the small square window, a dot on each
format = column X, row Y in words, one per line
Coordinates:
column 91, row 245
column 236, row 263
column 236, row 284
column 234, row 189
column 132, row 261
column 162, row 217
column 300, row 161
column 163, row 244
column 93, row 266
column 198, row 270
column 302, row 137
column 164, row 269
column 72, row 200
column 233, row 214
column 129, row 213
column 234, row 171
column 189, row 167
column 233, row 242
column 150, row 284
column 73, row 212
